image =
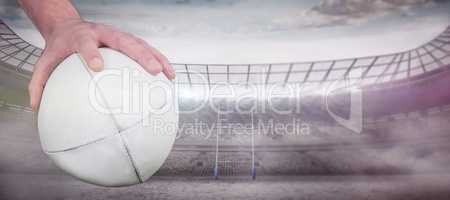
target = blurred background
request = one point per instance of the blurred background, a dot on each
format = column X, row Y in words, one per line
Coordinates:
column 364, row 85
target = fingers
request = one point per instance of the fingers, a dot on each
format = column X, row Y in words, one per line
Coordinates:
column 167, row 67
column 89, row 51
column 41, row 72
column 128, row 45
column 137, row 50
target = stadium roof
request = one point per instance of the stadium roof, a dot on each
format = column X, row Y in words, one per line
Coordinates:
column 20, row 56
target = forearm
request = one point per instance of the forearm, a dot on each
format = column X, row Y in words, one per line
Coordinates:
column 46, row 14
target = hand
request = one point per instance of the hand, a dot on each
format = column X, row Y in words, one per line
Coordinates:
column 75, row 35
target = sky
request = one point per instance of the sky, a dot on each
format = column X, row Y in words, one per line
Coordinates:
column 260, row 31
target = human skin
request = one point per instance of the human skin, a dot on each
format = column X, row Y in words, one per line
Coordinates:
column 65, row 33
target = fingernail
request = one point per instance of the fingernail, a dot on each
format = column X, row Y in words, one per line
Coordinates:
column 96, row 64
column 33, row 106
column 173, row 75
column 171, row 72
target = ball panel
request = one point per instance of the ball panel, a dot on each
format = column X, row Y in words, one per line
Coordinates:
column 149, row 145
column 66, row 116
column 105, row 163
column 117, row 89
column 150, row 107
column 131, row 92
column 118, row 148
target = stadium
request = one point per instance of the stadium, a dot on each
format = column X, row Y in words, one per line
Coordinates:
column 381, row 120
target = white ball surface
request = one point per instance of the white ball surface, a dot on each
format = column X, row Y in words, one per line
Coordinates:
column 109, row 128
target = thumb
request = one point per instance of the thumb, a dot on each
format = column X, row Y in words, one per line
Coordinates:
column 41, row 72
column 89, row 52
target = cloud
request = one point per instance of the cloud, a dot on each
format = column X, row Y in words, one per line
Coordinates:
column 350, row 12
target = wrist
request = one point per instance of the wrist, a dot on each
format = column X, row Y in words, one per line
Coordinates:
column 57, row 25
column 48, row 15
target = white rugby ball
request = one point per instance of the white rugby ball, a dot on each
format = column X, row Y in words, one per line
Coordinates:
column 111, row 128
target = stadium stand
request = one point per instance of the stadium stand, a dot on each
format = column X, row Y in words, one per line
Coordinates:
column 404, row 96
